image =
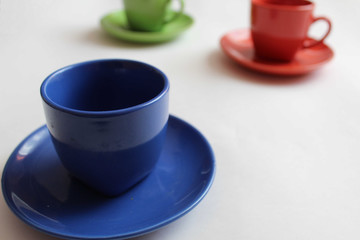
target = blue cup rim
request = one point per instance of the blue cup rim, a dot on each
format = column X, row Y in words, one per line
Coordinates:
column 106, row 113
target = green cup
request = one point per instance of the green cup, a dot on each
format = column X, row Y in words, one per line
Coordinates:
column 149, row 15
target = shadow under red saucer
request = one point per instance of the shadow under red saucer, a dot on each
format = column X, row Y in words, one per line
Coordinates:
column 238, row 45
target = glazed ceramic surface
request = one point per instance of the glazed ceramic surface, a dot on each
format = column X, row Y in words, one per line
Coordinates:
column 149, row 15
column 239, row 47
column 39, row 190
column 107, row 120
column 116, row 25
column 280, row 27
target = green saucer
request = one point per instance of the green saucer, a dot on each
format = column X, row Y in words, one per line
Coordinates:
column 116, row 25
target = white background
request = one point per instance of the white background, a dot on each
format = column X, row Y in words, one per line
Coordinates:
column 287, row 149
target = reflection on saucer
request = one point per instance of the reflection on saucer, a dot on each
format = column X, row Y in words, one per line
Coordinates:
column 238, row 46
column 116, row 25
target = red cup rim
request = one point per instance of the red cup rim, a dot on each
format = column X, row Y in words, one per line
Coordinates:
column 304, row 5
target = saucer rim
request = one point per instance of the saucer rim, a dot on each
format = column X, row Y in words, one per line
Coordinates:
column 275, row 68
column 126, row 234
column 142, row 37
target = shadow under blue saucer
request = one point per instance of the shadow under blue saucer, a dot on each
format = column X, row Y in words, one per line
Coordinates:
column 40, row 191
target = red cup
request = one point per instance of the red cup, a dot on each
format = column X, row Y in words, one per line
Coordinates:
column 279, row 27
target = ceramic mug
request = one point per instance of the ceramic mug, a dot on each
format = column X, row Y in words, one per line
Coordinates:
column 107, row 120
column 149, row 15
column 279, row 28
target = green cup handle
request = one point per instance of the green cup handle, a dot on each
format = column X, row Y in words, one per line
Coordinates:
column 182, row 5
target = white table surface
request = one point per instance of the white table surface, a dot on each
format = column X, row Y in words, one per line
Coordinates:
column 287, row 149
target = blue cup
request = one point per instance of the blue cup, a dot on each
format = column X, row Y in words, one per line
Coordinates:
column 107, row 120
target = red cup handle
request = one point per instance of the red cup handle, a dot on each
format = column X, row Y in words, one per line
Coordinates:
column 316, row 42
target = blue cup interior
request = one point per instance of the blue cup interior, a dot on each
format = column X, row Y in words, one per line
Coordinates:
column 103, row 85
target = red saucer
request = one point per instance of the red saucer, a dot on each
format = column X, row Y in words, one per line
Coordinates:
column 238, row 46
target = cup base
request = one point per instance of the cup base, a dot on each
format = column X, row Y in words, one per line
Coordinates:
column 267, row 58
column 111, row 173
column 273, row 48
column 141, row 26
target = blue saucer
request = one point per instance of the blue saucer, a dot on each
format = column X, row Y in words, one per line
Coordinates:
column 40, row 191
